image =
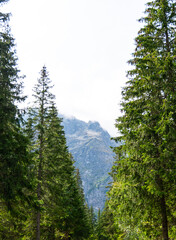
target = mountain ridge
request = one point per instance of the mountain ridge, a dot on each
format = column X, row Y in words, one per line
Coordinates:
column 90, row 145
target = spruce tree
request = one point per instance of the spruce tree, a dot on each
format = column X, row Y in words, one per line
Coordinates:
column 107, row 229
column 58, row 173
column 42, row 99
column 14, row 157
column 143, row 193
column 61, row 206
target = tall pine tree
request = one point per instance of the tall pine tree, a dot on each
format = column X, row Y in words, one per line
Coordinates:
column 61, row 209
column 43, row 100
column 143, row 194
column 65, row 214
column 14, row 158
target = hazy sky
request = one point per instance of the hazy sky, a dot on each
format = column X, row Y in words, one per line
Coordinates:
column 85, row 45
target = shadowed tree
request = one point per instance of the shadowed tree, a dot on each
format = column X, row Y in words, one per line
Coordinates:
column 14, row 157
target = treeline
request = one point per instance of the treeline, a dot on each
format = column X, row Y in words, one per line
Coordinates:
column 41, row 195
column 142, row 198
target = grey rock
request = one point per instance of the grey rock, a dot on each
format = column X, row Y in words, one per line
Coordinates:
column 90, row 145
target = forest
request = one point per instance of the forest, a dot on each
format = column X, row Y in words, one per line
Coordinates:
column 41, row 193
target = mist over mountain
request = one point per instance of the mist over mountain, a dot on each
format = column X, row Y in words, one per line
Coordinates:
column 90, row 145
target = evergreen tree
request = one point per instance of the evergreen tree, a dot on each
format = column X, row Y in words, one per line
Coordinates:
column 143, row 194
column 61, row 206
column 107, row 229
column 14, row 157
column 84, row 221
column 59, row 179
column 43, row 100
column 92, row 222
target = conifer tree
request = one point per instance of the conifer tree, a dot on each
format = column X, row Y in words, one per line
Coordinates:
column 83, row 223
column 61, row 206
column 59, row 182
column 143, row 194
column 14, row 158
column 43, row 100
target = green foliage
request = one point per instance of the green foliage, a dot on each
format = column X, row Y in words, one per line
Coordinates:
column 41, row 195
column 66, row 200
column 14, row 157
column 106, row 228
column 142, row 196
column 61, row 211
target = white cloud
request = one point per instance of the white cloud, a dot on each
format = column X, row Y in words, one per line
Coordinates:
column 85, row 45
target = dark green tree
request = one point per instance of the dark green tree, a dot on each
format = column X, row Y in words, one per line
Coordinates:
column 14, row 157
column 59, row 183
column 61, row 206
column 143, row 193
column 43, row 99
column 83, row 215
column 92, row 220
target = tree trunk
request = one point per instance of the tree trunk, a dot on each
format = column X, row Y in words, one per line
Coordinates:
column 163, row 210
column 38, row 226
column 164, row 219
column 39, row 198
column 39, row 186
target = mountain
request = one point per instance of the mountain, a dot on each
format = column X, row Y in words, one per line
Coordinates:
column 90, row 145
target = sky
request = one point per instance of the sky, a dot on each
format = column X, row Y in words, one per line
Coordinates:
column 85, row 45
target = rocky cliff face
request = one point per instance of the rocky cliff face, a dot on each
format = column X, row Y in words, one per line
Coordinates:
column 90, row 147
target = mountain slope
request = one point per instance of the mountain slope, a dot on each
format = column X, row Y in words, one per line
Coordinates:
column 90, row 147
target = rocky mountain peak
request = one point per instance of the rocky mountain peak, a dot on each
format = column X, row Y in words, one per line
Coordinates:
column 90, row 145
